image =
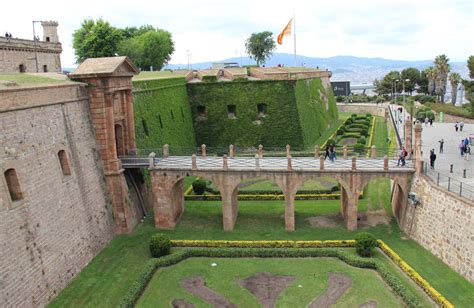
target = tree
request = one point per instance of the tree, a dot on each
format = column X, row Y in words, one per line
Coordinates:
column 259, row 46
column 95, row 39
column 423, row 82
column 431, row 74
column 148, row 47
column 454, row 79
column 442, row 65
column 470, row 66
column 413, row 75
column 469, row 84
column 389, row 84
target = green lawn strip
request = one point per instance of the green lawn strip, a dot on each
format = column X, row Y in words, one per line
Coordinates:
column 310, row 273
column 27, row 79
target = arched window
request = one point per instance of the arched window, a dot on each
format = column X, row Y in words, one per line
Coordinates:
column 13, row 184
column 22, row 68
column 64, row 162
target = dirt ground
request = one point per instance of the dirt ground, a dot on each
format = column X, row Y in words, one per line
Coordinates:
column 197, row 286
column 338, row 284
column 181, row 303
column 266, row 287
column 369, row 304
column 366, row 219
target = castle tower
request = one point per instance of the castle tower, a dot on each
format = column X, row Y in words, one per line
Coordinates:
column 50, row 31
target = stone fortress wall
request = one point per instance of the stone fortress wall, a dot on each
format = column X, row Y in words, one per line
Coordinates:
column 18, row 55
column 443, row 224
column 62, row 216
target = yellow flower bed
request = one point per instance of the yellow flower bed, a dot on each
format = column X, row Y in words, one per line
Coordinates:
column 263, row 244
column 432, row 292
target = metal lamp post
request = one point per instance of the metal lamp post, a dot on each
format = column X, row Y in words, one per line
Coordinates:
column 404, row 108
column 34, row 44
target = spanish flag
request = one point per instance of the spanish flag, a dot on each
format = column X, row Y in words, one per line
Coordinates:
column 286, row 31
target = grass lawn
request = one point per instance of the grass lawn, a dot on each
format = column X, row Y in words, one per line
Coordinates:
column 453, row 110
column 156, row 75
column 25, row 79
column 311, row 281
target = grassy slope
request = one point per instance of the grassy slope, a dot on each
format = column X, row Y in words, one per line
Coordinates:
column 26, row 79
column 310, row 274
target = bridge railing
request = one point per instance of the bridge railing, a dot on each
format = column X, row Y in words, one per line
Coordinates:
column 347, row 151
column 454, row 185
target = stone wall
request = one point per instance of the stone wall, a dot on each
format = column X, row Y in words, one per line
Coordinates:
column 14, row 52
column 443, row 224
column 63, row 221
column 362, row 108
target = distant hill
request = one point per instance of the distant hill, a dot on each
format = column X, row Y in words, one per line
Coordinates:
column 355, row 69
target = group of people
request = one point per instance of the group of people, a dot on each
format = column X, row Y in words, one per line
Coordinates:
column 8, row 35
column 430, row 121
column 330, row 152
column 464, row 148
column 459, row 126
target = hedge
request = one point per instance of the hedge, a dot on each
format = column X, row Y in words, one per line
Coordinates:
column 140, row 284
column 245, row 197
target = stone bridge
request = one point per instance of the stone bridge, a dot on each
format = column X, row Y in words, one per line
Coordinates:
column 289, row 173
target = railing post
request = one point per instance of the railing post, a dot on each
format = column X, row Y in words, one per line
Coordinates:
column 451, row 168
column 374, row 152
column 464, row 173
column 225, row 166
column 321, row 162
column 288, row 150
column 316, row 151
column 203, row 151
column 289, row 167
column 257, row 162
column 194, row 164
column 449, row 183
column 460, row 189
column 231, row 151
column 166, row 150
column 344, row 152
column 354, row 160
column 260, row 150
column 385, row 163
column 437, row 183
column 151, row 161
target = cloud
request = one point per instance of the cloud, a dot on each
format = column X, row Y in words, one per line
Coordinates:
column 216, row 29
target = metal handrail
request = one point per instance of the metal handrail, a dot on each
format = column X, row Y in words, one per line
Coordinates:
column 450, row 183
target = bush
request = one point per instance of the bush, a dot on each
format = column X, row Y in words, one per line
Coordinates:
column 354, row 115
column 330, row 142
column 199, row 187
column 361, row 140
column 160, row 245
column 339, row 98
column 364, row 132
column 368, row 115
column 365, row 243
column 340, row 131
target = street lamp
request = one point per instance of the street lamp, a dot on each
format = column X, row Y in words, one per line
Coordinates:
column 404, row 108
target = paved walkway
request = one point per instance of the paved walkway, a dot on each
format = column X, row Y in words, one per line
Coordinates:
column 430, row 137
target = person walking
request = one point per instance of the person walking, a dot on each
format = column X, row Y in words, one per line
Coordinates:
column 461, row 126
column 401, row 157
column 332, row 153
column 326, row 153
column 426, row 121
column 431, row 122
column 456, row 127
column 441, row 145
column 432, row 158
column 467, row 150
column 461, row 147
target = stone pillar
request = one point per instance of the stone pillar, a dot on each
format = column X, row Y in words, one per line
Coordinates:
column 168, row 199
column 132, row 146
column 231, row 151
column 417, row 148
column 288, row 150
column 349, row 202
column 260, row 151
column 203, row 151
column 229, row 195
column 289, row 166
column 193, row 162
column 166, row 151
column 151, row 161
column 225, row 166
column 321, row 162
column 257, row 162
column 344, row 151
column 290, row 193
column 385, row 163
column 373, row 153
column 354, row 166
column 316, row 151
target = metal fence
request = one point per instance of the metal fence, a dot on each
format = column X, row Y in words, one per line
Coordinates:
column 451, row 184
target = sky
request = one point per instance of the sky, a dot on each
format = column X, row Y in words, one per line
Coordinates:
column 211, row 30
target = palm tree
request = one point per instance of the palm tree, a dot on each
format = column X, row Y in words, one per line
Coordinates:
column 454, row 79
column 431, row 74
column 442, row 65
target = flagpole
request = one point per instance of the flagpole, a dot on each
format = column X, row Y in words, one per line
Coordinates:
column 294, row 38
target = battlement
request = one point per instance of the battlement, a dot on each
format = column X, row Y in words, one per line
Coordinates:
column 17, row 44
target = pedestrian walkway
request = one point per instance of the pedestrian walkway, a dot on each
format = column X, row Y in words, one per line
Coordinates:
column 451, row 154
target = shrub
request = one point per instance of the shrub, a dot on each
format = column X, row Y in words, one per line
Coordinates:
column 330, row 142
column 199, row 186
column 365, row 243
column 361, row 140
column 364, row 132
column 339, row 98
column 160, row 245
column 368, row 115
column 354, row 115
column 340, row 131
